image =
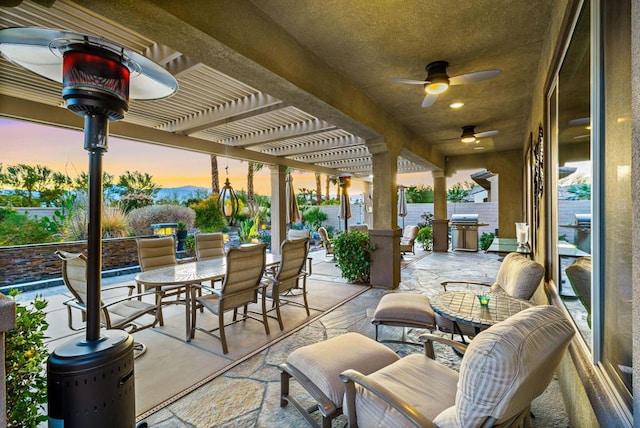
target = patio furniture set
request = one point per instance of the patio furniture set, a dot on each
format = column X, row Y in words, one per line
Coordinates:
column 515, row 345
column 515, row 350
column 246, row 274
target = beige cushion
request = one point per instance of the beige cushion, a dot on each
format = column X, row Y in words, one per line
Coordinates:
column 323, row 362
column 509, row 364
column 426, row 385
column 518, row 276
column 399, row 308
column 579, row 274
column 297, row 234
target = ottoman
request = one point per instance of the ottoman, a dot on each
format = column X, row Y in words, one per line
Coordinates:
column 404, row 310
column 317, row 369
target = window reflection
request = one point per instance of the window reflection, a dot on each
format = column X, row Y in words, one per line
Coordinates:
column 574, row 178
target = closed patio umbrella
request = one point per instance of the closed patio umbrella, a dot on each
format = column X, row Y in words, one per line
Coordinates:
column 402, row 204
column 345, row 207
column 293, row 212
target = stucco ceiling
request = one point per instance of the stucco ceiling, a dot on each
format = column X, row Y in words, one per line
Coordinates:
column 306, row 83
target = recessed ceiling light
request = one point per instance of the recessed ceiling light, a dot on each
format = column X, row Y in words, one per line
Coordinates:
column 478, row 148
column 456, row 105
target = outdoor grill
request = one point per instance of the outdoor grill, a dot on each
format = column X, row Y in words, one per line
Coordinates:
column 464, row 232
column 583, row 232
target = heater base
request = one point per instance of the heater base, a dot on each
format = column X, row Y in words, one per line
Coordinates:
column 91, row 383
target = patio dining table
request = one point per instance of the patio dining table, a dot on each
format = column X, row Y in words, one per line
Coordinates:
column 188, row 274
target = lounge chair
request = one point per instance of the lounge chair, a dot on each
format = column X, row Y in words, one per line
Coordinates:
column 408, row 239
column 518, row 276
column 503, row 369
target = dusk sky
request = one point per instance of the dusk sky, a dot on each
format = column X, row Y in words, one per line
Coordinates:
column 63, row 150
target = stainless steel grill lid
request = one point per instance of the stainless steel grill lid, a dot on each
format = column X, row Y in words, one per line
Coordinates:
column 464, row 218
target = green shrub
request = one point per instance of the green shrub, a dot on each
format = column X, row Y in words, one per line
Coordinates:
column 314, row 217
column 18, row 229
column 485, row 240
column 208, row 215
column 425, row 238
column 353, row 253
column 141, row 219
column 26, row 354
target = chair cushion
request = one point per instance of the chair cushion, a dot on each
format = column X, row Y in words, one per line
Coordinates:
column 509, row 364
column 426, row 385
column 323, row 362
column 398, row 308
column 518, row 276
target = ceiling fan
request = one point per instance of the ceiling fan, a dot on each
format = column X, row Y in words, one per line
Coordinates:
column 438, row 80
column 469, row 134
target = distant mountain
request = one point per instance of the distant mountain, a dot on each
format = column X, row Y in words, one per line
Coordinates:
column 181, row 193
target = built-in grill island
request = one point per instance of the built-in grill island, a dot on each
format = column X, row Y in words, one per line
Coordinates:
column 582, row 225
column 464, row 232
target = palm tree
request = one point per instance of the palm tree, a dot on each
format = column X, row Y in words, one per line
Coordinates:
column 252, row 168
column 215, row 179
column 318, row 189
column 332, row 179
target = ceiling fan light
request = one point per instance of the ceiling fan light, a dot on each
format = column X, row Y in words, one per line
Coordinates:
column 468, row 139
column 436, row 87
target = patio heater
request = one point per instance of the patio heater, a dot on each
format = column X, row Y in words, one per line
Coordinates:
column 90, row 380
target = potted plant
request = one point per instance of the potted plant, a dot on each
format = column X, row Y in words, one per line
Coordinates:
column 353, row 254
column 181, row 234
column 425, row 238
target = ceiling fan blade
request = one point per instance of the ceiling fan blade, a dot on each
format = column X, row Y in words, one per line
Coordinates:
column 582, row 137
column 580, row 121
column 486, row 134
column 408, row 81
column 477, row 76
column 429, row 100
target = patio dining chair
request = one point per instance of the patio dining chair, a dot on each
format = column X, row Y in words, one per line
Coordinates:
column 123, row 313
column 209, row 245
column 290, row 275
column 155, row 253
column 518, row 277
column 240, row 287
column 502, row 370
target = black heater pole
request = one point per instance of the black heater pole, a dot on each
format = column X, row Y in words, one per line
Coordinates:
column 90, row 381
column 96, row 130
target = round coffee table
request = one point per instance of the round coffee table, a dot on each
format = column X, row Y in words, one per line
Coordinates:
column 463, row 307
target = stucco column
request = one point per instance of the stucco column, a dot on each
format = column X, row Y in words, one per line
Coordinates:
column 7, row 322
column 278, row 207
column 440, row 218
column 385, row 234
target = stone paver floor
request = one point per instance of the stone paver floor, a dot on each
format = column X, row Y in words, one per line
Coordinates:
column 248, row 394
